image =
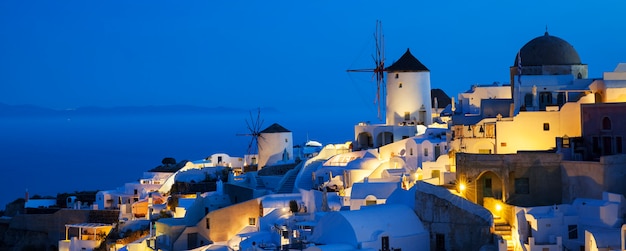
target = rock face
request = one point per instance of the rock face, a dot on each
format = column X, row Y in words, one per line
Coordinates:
column 453, row 222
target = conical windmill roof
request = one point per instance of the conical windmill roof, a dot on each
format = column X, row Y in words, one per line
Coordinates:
column 407, row 63
column 275, row 128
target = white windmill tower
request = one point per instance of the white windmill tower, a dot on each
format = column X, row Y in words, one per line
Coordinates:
column 408, row 92
column 275, row 146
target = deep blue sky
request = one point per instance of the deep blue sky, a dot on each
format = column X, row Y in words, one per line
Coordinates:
column 246, row 54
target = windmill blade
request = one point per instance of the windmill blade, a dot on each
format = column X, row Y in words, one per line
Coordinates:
column 257, row 140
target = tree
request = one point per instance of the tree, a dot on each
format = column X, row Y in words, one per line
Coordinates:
column 293, row 206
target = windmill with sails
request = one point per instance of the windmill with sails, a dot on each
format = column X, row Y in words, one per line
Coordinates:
column 254, row 132
column 379, row 68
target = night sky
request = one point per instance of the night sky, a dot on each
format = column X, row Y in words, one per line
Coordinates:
column 246, row 54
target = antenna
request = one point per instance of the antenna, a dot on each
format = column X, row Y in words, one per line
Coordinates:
column 379, row 66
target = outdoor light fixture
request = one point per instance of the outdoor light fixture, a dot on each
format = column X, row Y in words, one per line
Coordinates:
column 462, row 187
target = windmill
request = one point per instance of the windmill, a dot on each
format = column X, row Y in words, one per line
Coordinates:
column 254, row 128
column 379, row 66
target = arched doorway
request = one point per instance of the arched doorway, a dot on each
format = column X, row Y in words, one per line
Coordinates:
column 488, row 184
column 384, row 138
column 364, row 141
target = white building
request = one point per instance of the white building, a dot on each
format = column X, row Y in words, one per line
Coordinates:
column 380, row 227
column 408, row 104
column 549, row 83
column 589, row 223
column 275, row 146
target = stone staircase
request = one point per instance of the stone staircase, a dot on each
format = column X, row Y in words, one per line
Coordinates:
column 259, row 182
column 502, row 228
column 305, row 180
column 289, row 182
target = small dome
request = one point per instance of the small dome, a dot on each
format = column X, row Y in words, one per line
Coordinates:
column 548, row 50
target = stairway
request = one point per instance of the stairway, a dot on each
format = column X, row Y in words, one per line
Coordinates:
column 306, row 182
column 259, row 182
column 289, row 183
column 502, row 228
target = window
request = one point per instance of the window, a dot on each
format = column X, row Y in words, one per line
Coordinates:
column 440, row 242
column 208, row 223
column 400, row 85
column 384, row 246
column 607, row 145
column 397, row 75
column 411, row 151
column 565, row 143
column 370, row 202
column 407, row 116
column 251, row 221
column 596, row 145
column 606, row 123
column 618, row 145
column 545, row 98
column 522, row 186
column 560, row 98
column 528, row 100
column 546, row 126
column 488, row 183
column 426, row 152
column 572, row 231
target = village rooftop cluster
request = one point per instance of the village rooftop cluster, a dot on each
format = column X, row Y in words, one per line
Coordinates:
column 535, row 164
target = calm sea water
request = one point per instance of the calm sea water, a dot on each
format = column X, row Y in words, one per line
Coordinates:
column 50, row 155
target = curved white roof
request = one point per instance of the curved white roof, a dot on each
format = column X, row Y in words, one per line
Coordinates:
column 367, row 224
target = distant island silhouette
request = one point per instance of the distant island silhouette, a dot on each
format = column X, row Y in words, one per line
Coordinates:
column 37, row 111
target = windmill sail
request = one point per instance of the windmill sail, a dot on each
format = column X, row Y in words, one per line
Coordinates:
column 254, row 132
column 379, row 67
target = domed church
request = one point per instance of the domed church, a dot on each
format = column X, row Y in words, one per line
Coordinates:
column 548, row 55
column 547, row 71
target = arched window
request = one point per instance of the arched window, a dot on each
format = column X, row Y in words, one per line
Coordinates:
column 606, row 123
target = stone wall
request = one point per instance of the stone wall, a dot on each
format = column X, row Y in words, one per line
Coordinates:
column 461, row 223
column 48, row 229
column 541, row 169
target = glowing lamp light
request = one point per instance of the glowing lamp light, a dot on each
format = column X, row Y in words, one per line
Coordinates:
column 498, row 207
column 462, row 187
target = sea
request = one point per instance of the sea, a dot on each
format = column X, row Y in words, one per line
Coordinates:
column 51, row 154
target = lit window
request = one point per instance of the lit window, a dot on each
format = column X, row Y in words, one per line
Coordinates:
column 251, row 221
column 565, row 143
